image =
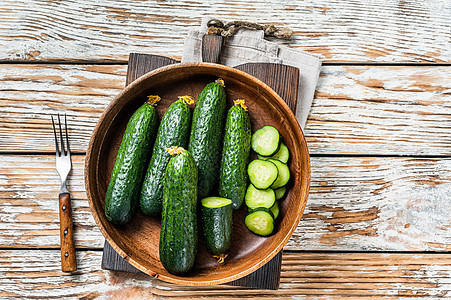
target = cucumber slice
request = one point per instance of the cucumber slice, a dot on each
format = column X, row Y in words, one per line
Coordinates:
column 215, row 202
column 262, row 173
column 260, row 221
column 284, row 174
column 259, row 198
column 283, row 154
column 280, row 192
column 275, row 210
column 266, row 141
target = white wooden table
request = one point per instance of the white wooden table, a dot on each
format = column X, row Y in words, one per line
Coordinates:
column 378, row 217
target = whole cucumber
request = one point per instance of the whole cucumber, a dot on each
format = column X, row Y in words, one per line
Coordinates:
column 173, row 131
column 206, row 134
column 128, row 171
column 178, row 236
column 235, row 154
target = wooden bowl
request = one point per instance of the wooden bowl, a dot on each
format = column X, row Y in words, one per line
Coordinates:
column 138, row 241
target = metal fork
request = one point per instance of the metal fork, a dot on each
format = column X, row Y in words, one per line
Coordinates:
column 63, row 166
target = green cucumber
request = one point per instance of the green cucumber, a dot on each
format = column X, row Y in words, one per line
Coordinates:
column 260, row 221
column 262, row 173
column 235, row 154
column 283, row 154
column 280, row 192
column 266, row 140
column 217, row 225
column 130, row 166
column 178, row 236
column 284, row 174
column 259, row 198
column 173, row 131
column 206, row 135
column 275, row 210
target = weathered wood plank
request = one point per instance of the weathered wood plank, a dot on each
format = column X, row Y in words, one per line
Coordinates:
column 358, row 31
column 355, row 204
column 36, row 274
column 360, row 110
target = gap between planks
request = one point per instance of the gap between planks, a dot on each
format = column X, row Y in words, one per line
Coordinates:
column 125, row 62
column 326, row 155
column 285, row 252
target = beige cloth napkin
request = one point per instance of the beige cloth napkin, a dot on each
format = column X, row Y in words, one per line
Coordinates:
column 250, row 46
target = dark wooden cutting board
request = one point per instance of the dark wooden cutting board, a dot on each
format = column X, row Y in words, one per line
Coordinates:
column 282, row 79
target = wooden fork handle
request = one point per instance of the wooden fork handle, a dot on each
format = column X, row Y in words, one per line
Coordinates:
column 68, row 261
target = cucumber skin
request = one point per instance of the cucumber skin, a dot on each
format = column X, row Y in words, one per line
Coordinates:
column 251, row 211
column 173, row 131
column 233, row 176
column 178, row 236
column 217, row 227
column 206, row 135
column 128, row 171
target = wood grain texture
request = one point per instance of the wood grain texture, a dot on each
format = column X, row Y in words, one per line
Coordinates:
column 36, row 274
column 357, row 109
column 354, row 204
column 358, row 31
column 211, row 48
column 265, row 278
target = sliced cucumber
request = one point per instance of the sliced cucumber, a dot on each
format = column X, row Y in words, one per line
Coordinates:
column 215, row 202
column 262, row 173
column 284, row 174
column 217, row 225
column 259, row 198
column 266, row 141
column 260, row 221
column 283, row 154
column 275, row 210
column 280, row 192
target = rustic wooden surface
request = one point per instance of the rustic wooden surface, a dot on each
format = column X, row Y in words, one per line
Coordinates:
column 315, row 275
column 352, row 31
column 390, row 110
column 379, row 133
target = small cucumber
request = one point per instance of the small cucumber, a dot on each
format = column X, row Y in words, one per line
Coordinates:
column 260, row 221
column 266, row 140
column 206, row 134
column 217, row 225
column 173, row 131
column 178, row 236
column 235, row 154
column 131, row 160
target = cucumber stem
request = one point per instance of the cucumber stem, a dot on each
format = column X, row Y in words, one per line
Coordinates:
column 187, row 99
column 153, row 99
column 174, row 150
column 241, row 103
column 220, row 81
column 221, row 258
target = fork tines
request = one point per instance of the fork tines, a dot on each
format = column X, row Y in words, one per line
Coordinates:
column 63, row 149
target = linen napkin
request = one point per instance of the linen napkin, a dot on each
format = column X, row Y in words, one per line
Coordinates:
column 250, row 46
